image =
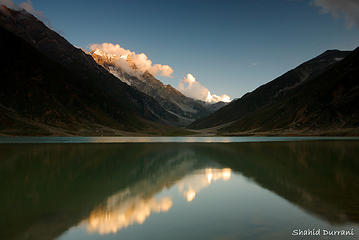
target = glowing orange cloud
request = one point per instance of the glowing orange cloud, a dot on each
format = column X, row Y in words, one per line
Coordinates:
column 127, row 59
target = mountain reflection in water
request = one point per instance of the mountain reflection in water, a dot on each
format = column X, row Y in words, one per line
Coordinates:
column 131, row 206
column 55, row 190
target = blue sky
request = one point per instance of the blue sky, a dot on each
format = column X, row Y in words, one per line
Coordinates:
column 230, row 47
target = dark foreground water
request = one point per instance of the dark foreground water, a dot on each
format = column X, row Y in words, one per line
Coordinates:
column 246, row 190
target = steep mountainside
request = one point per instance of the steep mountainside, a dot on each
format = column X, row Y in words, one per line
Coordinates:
column 51, row 87
column 185, row 108
column 319, row 95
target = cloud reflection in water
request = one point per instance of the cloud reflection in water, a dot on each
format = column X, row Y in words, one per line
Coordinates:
column 133, row 206
column 191, row 185
column 113, row 218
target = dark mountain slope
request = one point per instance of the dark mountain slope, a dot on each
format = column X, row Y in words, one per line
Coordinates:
column 42, row 96
column 174, row 101
column 324, row 100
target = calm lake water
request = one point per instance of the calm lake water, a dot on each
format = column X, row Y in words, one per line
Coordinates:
column 204, row 188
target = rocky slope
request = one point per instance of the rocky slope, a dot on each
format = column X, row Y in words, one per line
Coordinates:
column 51, row 87
column 320, row 95
column 185, row 108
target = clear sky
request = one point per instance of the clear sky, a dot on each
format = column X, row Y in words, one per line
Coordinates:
column 230, row 46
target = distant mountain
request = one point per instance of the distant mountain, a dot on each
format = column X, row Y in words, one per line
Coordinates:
column 185, row 108
column 319, row 96
column 50, row 87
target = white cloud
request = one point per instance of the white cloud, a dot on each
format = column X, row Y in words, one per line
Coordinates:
column 192, row 88
column 341, row 8
column 125, row 59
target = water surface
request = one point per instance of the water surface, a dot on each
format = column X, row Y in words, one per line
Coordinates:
column 241, row 190
column 165, row 139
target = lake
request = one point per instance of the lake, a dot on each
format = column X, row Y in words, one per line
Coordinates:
column 179, row 188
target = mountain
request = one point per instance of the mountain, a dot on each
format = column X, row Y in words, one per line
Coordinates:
column 185, row 108
column 319, row 96
column 49, row 87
